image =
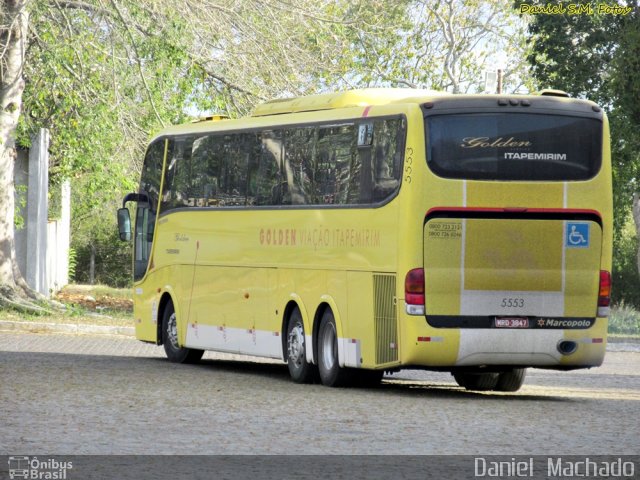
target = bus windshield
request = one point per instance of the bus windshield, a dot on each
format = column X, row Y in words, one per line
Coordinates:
column 514, row 146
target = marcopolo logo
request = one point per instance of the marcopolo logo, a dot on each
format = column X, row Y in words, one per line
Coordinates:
column 38, row 469
column 565, row 322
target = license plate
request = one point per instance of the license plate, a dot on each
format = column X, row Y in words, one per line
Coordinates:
column 511, row 322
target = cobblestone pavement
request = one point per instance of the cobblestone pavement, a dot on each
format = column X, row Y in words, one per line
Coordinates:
column 70, row 394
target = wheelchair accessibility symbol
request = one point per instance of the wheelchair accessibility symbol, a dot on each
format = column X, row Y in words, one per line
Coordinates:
column 577, row 235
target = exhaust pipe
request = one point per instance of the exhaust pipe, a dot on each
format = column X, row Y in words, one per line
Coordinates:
column 567, row 347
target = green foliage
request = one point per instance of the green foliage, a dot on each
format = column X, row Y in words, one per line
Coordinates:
column 82, row 84
column 626, row 64
column 411, row 44
column 21, row 206
column 625, row 276
column 111, row 256
column 598, row 56
column 102, row 75
column 73, row 263
column 624, row 320
column 573, row 52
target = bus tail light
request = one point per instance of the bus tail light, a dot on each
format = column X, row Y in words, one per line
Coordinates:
column 414, row 292
column 604, row 295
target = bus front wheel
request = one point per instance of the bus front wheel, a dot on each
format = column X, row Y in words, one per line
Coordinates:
column 299, row 369
column 331, row 374
column 174, row 351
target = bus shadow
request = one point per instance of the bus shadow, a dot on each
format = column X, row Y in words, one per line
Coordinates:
column 101, row 366
column 453, row 391
column 389, row 385
column 275, row 371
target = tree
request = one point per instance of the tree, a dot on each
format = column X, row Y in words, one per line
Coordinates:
column 446, row 45
column 13, row 44
column 103, row 74
column 598, row 56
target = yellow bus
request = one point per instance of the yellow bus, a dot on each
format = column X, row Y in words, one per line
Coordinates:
column 375, row 230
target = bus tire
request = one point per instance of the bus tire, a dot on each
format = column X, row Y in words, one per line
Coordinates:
column 481, row 382
column 173, row 350
column 511, row 381
column 331, row 374
column 300, row 370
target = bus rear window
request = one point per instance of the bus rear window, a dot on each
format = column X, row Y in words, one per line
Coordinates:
column 510, row 146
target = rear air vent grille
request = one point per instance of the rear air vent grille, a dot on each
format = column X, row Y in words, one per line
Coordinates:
column 386, row 320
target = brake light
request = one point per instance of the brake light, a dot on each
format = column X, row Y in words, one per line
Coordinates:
column 414, row 292
column 604, row 294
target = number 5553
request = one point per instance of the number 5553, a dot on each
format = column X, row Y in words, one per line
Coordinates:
column 512, row 302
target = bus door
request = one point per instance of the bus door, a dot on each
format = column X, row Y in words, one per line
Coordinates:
column 146, row 210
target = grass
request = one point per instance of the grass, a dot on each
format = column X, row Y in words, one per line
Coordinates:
column 624, row 320
column 100, row 291
column 70, row 317
column 102, row 305
column 85, row 305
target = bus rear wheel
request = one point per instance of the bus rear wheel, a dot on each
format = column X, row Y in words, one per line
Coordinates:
column 173, row 350
column 476, row 381
column 299, row 369
column 511, row 380
column 331, row 373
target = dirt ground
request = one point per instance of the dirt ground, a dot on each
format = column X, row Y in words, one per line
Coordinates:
column 94, row 298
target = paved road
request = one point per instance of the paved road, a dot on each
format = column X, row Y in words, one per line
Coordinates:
column 68, row 394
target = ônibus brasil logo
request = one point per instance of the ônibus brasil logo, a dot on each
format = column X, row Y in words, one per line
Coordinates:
column 34, row 468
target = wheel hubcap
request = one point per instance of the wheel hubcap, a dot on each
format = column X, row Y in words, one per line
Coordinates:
column 172, row 331
column 296, row 345
column 329, row 346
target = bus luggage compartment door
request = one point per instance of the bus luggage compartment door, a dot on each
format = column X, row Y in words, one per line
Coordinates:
column 496, row 271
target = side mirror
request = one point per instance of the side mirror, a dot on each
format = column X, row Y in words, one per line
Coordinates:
column 124, row 224
column 135, row 197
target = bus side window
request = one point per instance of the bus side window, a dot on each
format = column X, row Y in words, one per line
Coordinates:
column 233, row 191
column 267, row 188
column 199, row 163
column 386, row 157
column 204, row 175
column 336, row 158
column 222, row 170
column 177, row 174
column 252, row 148
column 299, row 147
column 309, row 165
column 364, row 182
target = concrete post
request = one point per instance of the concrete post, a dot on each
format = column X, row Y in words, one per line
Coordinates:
column 21, row 181
column 65, row 236
column 37, row 212
column 58, row 239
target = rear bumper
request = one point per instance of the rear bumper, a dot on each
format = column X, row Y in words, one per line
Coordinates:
column 479, row 347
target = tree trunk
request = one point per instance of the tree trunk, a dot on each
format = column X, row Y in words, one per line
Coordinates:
column 636, row 220
column 13, row 43
column 92, row 265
